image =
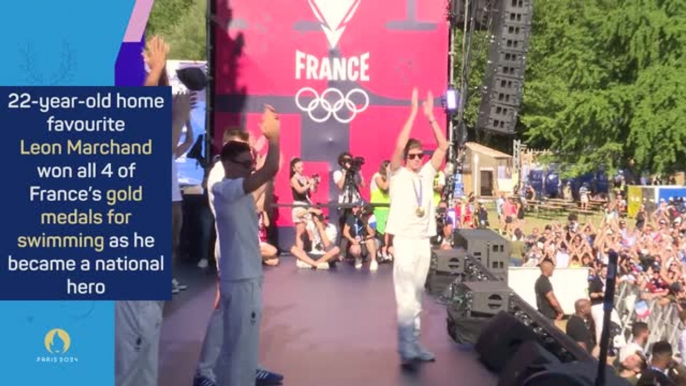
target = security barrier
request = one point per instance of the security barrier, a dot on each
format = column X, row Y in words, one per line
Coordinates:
column 662, row 319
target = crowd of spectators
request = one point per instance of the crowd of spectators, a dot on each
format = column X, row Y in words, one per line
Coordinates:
column 651, row 269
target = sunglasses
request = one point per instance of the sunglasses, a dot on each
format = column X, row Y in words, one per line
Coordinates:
column 415, row 156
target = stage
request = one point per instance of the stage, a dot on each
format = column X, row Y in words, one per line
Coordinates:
column 331, row 328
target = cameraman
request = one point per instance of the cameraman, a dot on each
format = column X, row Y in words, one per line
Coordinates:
column 348, row 180
column 350, row 172
column 444, row 227
column 361, row 236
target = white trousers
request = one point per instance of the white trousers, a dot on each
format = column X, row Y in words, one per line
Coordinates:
column 212, row 345
column 241, row 302
column 137, row 342
column 410, row 268
column 597, row 313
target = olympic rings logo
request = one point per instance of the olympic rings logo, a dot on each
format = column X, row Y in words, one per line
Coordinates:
column 336, row 107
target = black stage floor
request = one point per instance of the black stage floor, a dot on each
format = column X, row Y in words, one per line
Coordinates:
column 331, row 328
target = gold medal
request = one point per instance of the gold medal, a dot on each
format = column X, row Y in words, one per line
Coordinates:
column 419, row 212
column 419, row 196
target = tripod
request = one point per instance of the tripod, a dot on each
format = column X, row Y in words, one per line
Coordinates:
column 350, row 194
column 350, row 191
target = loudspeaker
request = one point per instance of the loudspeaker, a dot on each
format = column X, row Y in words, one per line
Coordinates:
column 438, row 283
column 504, row 78
column 464, row 329
column 447, row 265
column 573, row 374
column 529, row 360
column 500, row 340
column 487, row 247
column 483, row 298
column 448, row 261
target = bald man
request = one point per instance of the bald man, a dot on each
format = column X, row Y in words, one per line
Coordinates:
column 630, row 369
column 580, row 325
column 546, row 301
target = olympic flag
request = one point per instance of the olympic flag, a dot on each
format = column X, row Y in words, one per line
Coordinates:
column 339, row 72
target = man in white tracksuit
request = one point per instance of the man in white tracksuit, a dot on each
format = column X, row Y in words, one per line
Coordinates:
column 205, row 373
column 411, row 220
column 240, row 266
column 137, row 342
column 138, row 323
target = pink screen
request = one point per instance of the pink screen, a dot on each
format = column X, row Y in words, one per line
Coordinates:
column 337, row 57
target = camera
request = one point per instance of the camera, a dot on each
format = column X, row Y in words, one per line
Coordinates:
column 356, row 164
column 317, row 179
column 441, row 217
column 366, row 210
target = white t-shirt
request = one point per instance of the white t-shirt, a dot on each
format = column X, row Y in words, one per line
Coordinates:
column 342, row 196
column 628, row 350
column 237, row 226
column 562, row 259
column 405, row 188
column 176, row 190
column 329, row 229
column 216, row 175
column 372, row 184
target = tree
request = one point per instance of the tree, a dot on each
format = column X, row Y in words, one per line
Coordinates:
column 182, row 24
column 165, row 14
column 605, row 84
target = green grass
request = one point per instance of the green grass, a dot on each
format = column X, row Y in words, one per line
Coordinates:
column 533, row 220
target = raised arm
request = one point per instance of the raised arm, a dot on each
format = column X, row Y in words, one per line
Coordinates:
column 270, row 129
column 188, row 141
column 298, row 188
column 439, row 154
column 397, row 158
column 381, row 182
column 181, row 109
column 155, row 55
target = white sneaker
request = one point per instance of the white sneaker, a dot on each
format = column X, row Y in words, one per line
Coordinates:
column 202, row 264
column 373, row 266
column 178, row 286
column 323, row 266
column 301, row 264
column 358, row 263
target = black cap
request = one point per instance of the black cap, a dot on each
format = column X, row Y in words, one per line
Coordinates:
column 192, row 77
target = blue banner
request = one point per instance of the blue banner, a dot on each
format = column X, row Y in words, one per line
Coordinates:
column 58, row 43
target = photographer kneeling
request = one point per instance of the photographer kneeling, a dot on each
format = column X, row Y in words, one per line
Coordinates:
column 324, row 235
column 361, row 236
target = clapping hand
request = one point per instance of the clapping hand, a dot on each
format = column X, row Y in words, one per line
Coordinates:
column 415, row 100
column 270, row 123
column 155, row 53
column 429, row 105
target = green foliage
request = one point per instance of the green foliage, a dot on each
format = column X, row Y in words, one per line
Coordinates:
column 605, row 84
column 165, row 14
column 182, row 25
column 477, row 71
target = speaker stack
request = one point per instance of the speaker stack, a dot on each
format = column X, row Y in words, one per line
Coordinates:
column 504, row 80
column 447, row 266
column 488, row 248
column 516, row 353
column 471, row 306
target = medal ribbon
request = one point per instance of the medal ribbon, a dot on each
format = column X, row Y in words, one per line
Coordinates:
column 418, row 193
